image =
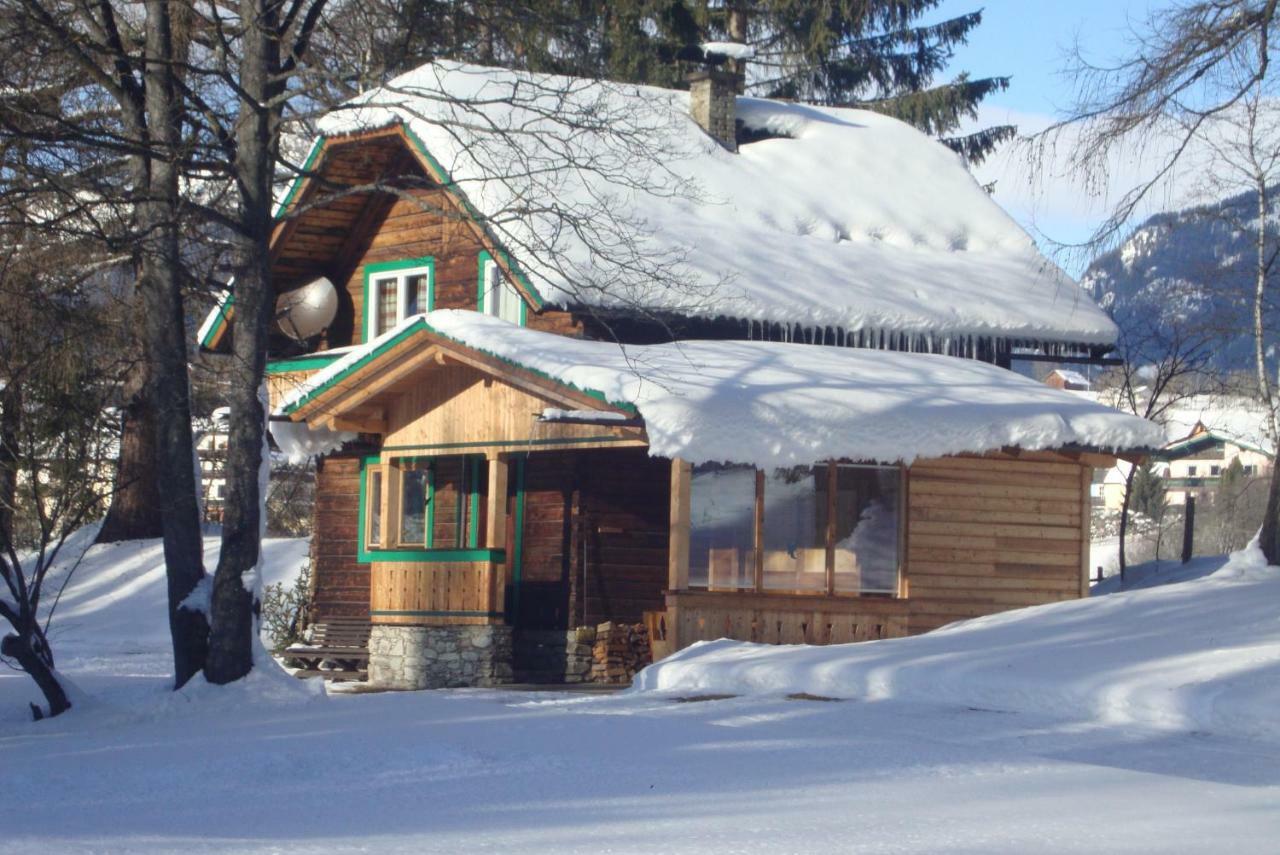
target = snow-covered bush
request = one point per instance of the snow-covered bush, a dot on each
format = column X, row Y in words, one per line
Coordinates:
column 284, row 610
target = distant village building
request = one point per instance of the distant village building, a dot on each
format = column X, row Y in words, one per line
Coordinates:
column 1192, row 465
column 1196, row 462
column 515, row 470
column 211, row 451
column 1065, row 378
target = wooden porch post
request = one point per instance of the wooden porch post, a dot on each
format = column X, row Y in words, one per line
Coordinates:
column 495, row 529
column 678, row 549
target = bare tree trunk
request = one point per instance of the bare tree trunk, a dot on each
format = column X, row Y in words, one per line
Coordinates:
column 135, row 503
column 231, row 639
column 10, row 419
column 1124, row 518
column 159, row 288
column 1269, row 537
column 31, row 650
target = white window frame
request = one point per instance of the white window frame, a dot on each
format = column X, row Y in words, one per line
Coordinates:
column 401, row 278
column 499, row 298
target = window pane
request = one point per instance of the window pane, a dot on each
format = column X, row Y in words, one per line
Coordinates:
column 374, row 509
column 413, row 507
column 795, row 529
column 385, row 308
column 492, row 289
column 418, row 286
column 509, row 303
column 722, row 527
column 867, row 523
column 448, row 498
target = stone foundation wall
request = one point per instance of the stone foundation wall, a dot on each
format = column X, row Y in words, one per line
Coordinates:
column 437, row 657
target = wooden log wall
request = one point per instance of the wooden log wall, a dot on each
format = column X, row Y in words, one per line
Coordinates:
column 435, row 594
column 603, row 512
column 394, row 228
column 986, row 535
column 341, row 584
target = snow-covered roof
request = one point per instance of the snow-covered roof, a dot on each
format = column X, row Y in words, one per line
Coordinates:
column 1073, row 377
column 846, row 219
column 776, row 404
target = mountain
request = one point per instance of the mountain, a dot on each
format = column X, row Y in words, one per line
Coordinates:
column 1188, row 267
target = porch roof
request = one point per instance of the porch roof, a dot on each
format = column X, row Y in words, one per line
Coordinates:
column 769, row 403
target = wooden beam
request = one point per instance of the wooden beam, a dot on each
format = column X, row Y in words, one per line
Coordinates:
column 832, row 506
column 1086, row 518
column 757, row 584
column 678, row 542
column 526, row 382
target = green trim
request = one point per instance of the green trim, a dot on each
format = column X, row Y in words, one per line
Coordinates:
column 357, row 365
column 361, row 547
column 434, row 556
column 507, row 443
column 408, row 613
column 517, row 546
column 296, row 186
column 224, row 317
column 473, row 523
column 420, row 325
column 310, row 362
column 429, row 534
column 481, row 259
column 370, row 270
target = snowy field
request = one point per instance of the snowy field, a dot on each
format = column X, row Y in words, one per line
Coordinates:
column 1134, row 722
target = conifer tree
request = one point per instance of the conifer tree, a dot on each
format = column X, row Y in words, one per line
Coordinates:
column 875, row 54
column 1149, row 492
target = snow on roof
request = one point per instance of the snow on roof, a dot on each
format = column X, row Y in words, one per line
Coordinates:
column 1236, row 419
column 1073, row 377
column 776, row 404
column 847, row 219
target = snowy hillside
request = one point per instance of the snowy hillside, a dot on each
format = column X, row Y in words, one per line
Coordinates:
column 1203, row 655
column 1190, row 263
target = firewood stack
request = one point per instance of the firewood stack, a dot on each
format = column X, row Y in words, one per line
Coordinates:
column 621, row 649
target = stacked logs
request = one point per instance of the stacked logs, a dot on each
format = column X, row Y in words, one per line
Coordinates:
column 620, row 651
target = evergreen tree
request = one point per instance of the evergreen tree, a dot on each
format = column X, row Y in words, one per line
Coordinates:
column 873, row 54
column 1150, row 494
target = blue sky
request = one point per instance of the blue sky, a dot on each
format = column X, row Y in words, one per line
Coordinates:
column 1029, row 40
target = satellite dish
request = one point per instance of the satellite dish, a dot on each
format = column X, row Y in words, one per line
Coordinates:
column 307, row 311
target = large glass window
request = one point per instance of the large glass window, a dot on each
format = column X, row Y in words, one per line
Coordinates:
column 829, row 528
column 722, row 527
column 866, row 529
column 425, row 503
column 795, row 529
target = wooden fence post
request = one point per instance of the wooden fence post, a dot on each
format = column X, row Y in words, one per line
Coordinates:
column 1188, row 527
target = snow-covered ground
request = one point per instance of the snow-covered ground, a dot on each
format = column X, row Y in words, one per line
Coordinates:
column 1127, row 723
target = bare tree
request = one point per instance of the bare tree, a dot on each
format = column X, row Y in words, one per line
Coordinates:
column 1197, row 68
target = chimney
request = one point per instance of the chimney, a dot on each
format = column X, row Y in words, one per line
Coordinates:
column 713, row 104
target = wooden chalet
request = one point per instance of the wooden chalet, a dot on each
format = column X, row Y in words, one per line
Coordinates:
column 495, row 470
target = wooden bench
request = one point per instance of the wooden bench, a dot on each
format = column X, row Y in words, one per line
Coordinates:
column 338, row 650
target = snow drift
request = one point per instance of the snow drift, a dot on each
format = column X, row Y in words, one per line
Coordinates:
column 1202, row 655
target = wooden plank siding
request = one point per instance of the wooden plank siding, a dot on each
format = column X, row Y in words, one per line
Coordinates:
column 595, row 537
column 342, row 237
column 986, row 535
column 340, row 583
column 438, row 593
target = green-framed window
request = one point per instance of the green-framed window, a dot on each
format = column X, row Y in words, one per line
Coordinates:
column 395, row 290
column 496, row 295
column 422, row 508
